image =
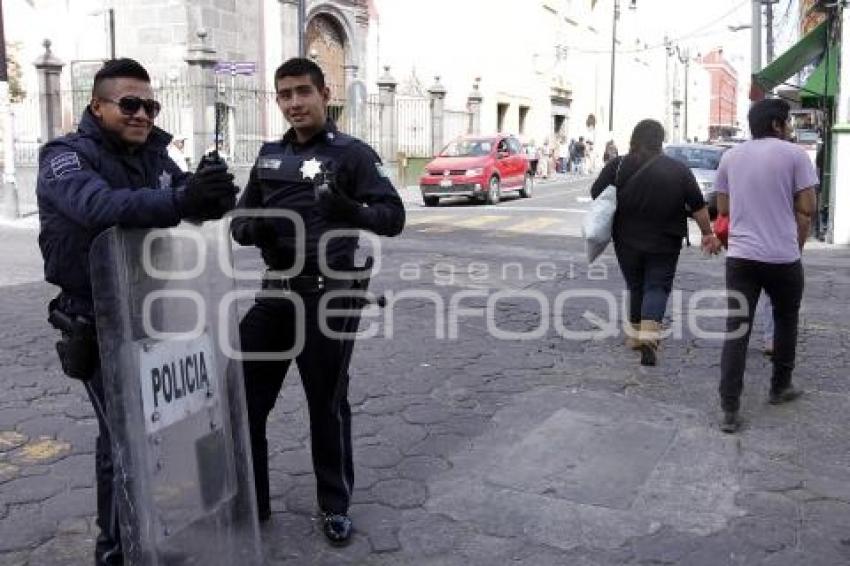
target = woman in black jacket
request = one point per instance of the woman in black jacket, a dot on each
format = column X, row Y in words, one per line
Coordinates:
column 655, row 196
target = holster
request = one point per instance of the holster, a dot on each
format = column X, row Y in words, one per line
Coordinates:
column 78, row 350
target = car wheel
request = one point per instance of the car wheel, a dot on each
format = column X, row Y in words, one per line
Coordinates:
column 527, row 186
column 494, row 193
column 431, row 201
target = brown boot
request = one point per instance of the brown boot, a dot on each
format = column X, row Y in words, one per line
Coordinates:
column 648, row 339
column 632, row 329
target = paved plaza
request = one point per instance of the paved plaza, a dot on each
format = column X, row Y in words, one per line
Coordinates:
column 477, row 450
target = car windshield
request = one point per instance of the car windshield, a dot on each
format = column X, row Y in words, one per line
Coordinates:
column 467, row 148
column 695, row 157
column 807, row 136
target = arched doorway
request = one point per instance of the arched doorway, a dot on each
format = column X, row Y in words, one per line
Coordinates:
column 326, row 43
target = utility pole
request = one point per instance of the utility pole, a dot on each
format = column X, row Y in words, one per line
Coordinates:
column 668, row 48
column 756, row 37
column 111, row 14
column 768, row 16
column 613, row 64
column 684, row 56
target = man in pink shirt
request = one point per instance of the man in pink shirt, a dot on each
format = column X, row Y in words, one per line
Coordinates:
column 767, row 187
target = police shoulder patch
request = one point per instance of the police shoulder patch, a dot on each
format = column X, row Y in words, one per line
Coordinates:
column 65, row 163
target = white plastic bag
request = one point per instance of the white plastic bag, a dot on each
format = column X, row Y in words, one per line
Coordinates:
column 599, row 222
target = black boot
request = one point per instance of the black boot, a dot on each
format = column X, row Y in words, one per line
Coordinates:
column 337, row 527
column 731, row 423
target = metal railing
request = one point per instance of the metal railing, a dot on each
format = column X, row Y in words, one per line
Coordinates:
column 413, row 126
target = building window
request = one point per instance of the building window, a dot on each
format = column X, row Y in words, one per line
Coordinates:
column 523, row 118
column 501, row 114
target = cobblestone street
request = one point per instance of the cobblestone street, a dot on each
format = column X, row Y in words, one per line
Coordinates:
column 486, row 451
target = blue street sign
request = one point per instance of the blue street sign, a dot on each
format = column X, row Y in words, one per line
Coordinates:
column 235, row 68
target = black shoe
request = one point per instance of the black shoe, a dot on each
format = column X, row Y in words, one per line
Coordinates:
column 784, row 395
column 264, row 515
column 337, row 527
column 731, row 423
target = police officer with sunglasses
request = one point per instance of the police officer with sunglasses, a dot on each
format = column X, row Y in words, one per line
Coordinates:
column 114, row 170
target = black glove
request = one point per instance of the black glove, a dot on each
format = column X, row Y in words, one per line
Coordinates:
column 208, row 195
column 258, row 232
column 339, row 207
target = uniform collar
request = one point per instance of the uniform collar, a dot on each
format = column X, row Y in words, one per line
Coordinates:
column 328, row 132
column 89, row 126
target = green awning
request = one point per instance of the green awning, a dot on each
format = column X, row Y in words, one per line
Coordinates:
column 823, row 82
column 805, row 51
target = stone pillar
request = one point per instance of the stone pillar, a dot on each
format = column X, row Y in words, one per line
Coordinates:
column 389, row 138
column 49, row 70
column 473, row 106
column 437, row 92
column 289, row 26
column 836, row 181
column 202, row 92
column 10, row 187
column 355, row 102
column 350, row 71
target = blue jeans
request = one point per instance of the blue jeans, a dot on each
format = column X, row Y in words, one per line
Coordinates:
column 649, row 279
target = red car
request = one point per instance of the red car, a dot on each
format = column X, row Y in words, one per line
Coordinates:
column 482, row 168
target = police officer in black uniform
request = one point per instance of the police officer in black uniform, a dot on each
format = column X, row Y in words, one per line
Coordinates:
column 114, row 170
column 330, row 181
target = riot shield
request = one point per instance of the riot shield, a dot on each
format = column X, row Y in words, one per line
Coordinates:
column 175, row 400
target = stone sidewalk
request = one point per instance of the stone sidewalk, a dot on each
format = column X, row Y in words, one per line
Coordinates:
column 483, row 451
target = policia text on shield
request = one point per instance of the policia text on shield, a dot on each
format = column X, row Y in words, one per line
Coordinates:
column 331, row 181
column 114, row 171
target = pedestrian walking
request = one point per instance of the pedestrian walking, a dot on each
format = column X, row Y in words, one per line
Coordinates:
column 543, row 166
column 654, row 194
column 114, row 170
column 328, row 181
column 579, row 153
column 533, row 155
column 767, row 187
column 563, row 157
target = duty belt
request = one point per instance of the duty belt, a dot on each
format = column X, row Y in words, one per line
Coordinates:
column 303, row 283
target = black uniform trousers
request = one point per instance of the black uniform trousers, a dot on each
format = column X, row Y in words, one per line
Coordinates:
column 783, row 283
column 108, row 545
column 271, row 326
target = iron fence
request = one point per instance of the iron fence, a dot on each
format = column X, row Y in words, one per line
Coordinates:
column 26, row 132
column 372, row 122
column 249, row 117
column 413, row 126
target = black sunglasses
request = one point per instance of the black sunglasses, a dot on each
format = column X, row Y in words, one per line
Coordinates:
column 129, row 105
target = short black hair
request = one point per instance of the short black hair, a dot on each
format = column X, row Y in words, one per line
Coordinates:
column 764, row 113
column 299, row 67
column 118, row 69
column 648, row 136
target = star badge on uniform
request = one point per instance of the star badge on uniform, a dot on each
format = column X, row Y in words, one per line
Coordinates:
column 311, row 168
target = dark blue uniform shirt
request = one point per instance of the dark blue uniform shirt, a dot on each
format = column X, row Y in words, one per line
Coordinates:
column 283, row 178
column 88, row 182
